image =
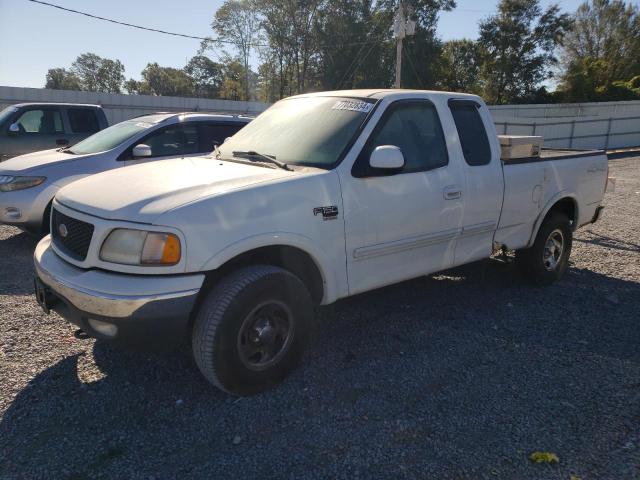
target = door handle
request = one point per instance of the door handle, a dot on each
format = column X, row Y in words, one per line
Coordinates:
column 62, row 141
column 452, row 193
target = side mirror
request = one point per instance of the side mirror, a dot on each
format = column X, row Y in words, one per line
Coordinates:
column 388, row 157
column 14, row 128
column 142, row 150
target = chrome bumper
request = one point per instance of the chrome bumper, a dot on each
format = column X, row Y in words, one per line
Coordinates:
column 111, row 295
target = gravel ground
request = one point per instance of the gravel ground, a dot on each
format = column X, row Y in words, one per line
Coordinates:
column 454, row 376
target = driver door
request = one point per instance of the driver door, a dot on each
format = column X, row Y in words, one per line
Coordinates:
column 172, row 141
column 402, row 224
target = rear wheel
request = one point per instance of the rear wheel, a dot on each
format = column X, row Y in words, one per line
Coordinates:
column 547, row 260
column 252, row 328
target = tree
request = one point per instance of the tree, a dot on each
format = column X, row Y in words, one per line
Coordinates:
column 517, row 48
column 62, row 79
column 166, row 81
column 236, row 21
column 233, row 85
column 207, row 76
column 98, row 74
column 603, row 47
column 460, row 67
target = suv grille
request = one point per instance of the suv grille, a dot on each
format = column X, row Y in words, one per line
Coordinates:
column 78, row 235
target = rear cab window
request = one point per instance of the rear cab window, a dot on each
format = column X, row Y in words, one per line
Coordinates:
column 471, row 132
column 83, row 120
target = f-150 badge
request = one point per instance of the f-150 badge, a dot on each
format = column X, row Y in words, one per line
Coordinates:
column 328, row 213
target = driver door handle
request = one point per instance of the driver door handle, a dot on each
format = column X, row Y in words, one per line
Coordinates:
column 452, row 193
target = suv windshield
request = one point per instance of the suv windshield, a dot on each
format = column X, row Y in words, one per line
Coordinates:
column 109, row 137
column 306, row 130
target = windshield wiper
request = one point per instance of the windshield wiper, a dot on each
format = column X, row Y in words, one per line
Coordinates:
column 266, row 158
column 66, row 150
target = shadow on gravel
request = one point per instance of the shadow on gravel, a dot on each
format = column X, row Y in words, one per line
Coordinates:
column 461, row 373
column 610, row 242
column 16, row 254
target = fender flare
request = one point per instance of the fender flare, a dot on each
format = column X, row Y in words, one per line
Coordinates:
column 549, row 205
column 286, row 239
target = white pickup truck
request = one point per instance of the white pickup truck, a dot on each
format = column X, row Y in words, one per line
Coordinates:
column 321, row 197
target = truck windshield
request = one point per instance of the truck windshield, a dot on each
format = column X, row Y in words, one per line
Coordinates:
column 310, row 131
column 6, row 113
column 109, row 137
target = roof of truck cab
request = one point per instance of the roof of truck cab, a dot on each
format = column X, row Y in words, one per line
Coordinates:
column 54, row 104
column 379, row 93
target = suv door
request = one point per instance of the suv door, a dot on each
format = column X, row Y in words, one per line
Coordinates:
column 214, row 133
column 404, row 224
column 173, row 141
column 40, row 128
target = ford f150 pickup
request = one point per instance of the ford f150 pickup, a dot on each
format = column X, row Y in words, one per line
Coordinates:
column 321, row 197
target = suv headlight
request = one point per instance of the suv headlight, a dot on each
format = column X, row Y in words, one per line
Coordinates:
column 9, row 183
column 138, row 247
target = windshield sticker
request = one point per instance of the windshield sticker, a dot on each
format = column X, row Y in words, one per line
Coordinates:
column 353, row 105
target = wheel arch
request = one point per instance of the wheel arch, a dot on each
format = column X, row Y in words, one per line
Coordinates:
column 564, row 202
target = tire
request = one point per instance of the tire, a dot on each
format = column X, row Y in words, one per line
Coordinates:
column 252, row 329
column 541, row 265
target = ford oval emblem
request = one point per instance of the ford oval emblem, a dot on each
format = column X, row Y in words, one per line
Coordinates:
column 62, row 230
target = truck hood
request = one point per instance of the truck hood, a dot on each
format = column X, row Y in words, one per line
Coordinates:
column 31, row 161
column 141, row 193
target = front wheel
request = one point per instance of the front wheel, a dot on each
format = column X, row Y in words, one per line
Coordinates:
column 547, row 260
column 252, row 328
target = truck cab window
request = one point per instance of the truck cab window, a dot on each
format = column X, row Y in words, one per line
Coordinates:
column 83, row 120
column 415, row 128
column 41, row 121
column 471, row 131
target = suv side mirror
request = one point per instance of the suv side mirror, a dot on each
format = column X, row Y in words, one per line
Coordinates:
column 14, row 129
column 141, row 150
column 388, row 157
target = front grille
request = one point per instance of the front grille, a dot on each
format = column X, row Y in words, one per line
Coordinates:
column 78, row 235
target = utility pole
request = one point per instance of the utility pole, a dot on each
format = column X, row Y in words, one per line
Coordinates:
column 403, row 27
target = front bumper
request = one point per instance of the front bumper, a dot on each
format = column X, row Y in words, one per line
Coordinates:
column 148, row 310
column 25, row 208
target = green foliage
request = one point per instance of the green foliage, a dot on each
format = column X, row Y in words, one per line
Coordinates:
column 97, row 74
column 62, row 79
column 517, row 48
column 460, row 66
column 601, row 51
column 157, row 80
column 207, row 76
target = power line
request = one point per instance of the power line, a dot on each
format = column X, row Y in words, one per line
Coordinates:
column 175, row 34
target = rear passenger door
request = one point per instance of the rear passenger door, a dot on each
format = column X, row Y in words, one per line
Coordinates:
column 483, row 181
column 212, row 134
column 402, row 224
column 81, row 122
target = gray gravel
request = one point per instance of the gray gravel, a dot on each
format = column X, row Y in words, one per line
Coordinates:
column 459, row 375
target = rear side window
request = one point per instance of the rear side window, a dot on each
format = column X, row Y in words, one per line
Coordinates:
column 471, row 131
column 83, row 120
column 415, row 128
column 45, row 121
column 212, row 134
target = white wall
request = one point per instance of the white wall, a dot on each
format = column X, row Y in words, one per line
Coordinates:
column 573, row 125
column 119, row 107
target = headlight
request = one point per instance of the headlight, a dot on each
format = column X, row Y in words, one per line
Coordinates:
column 9, row 183
column 137, row 247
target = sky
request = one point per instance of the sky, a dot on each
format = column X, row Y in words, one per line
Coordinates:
column 34, row 38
